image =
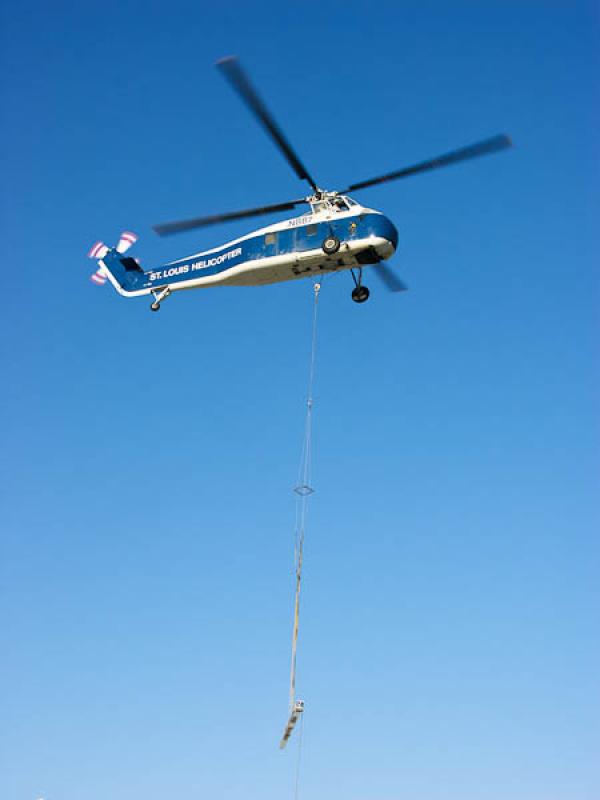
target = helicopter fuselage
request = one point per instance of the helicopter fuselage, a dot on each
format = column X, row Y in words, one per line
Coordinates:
column 283, row 251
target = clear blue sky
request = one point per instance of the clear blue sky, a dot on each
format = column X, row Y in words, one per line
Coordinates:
column 449, row 646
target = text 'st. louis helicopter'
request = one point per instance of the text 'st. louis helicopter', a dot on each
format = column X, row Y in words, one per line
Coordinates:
column 337, row 233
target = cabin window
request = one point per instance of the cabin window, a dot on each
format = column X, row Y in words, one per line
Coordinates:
column 311, row 230
column 270, row 238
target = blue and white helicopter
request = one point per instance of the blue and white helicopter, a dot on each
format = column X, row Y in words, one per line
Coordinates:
column 337, row 233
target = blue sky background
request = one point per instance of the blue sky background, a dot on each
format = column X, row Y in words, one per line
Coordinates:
column 449, row 642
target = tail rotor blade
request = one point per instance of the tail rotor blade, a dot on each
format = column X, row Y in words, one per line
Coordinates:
column 126, row 241
column 98, row 251
column 99, row 277
column 389, row 278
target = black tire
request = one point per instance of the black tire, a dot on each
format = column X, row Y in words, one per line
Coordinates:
column 155, row 307
column 360, row 294
column 331, row 245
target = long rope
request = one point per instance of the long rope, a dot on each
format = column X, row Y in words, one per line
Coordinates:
column 303, row 490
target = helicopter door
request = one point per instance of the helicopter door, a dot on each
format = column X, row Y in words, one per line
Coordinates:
column 306, row 238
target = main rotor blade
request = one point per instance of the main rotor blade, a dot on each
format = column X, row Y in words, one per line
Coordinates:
column 167, row 228
column 387, row 276
column 233, row 71
column 482, row 148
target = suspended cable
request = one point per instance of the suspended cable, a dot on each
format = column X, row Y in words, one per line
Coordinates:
column 303, row 490
column 299, row 759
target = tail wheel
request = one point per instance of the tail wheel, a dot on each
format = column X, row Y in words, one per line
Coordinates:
column 331, row 245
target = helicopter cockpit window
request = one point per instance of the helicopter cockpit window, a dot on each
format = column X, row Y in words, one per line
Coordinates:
column 350, row 201
column 340, row 204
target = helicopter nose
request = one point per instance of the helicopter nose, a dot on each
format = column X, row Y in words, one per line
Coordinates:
column 390, row 232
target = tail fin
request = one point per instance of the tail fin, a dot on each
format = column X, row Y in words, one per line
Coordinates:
column 124, row 272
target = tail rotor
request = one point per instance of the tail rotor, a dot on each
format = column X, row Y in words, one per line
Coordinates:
column 99, row 251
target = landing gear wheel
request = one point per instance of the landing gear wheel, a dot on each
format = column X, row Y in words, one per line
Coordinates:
column 331, row 245
column 360, row 294
column 155, row 307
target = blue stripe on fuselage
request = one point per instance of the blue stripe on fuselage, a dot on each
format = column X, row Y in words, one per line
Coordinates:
column 295, row 239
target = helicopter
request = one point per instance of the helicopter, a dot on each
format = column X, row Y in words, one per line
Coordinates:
column 334, row 233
